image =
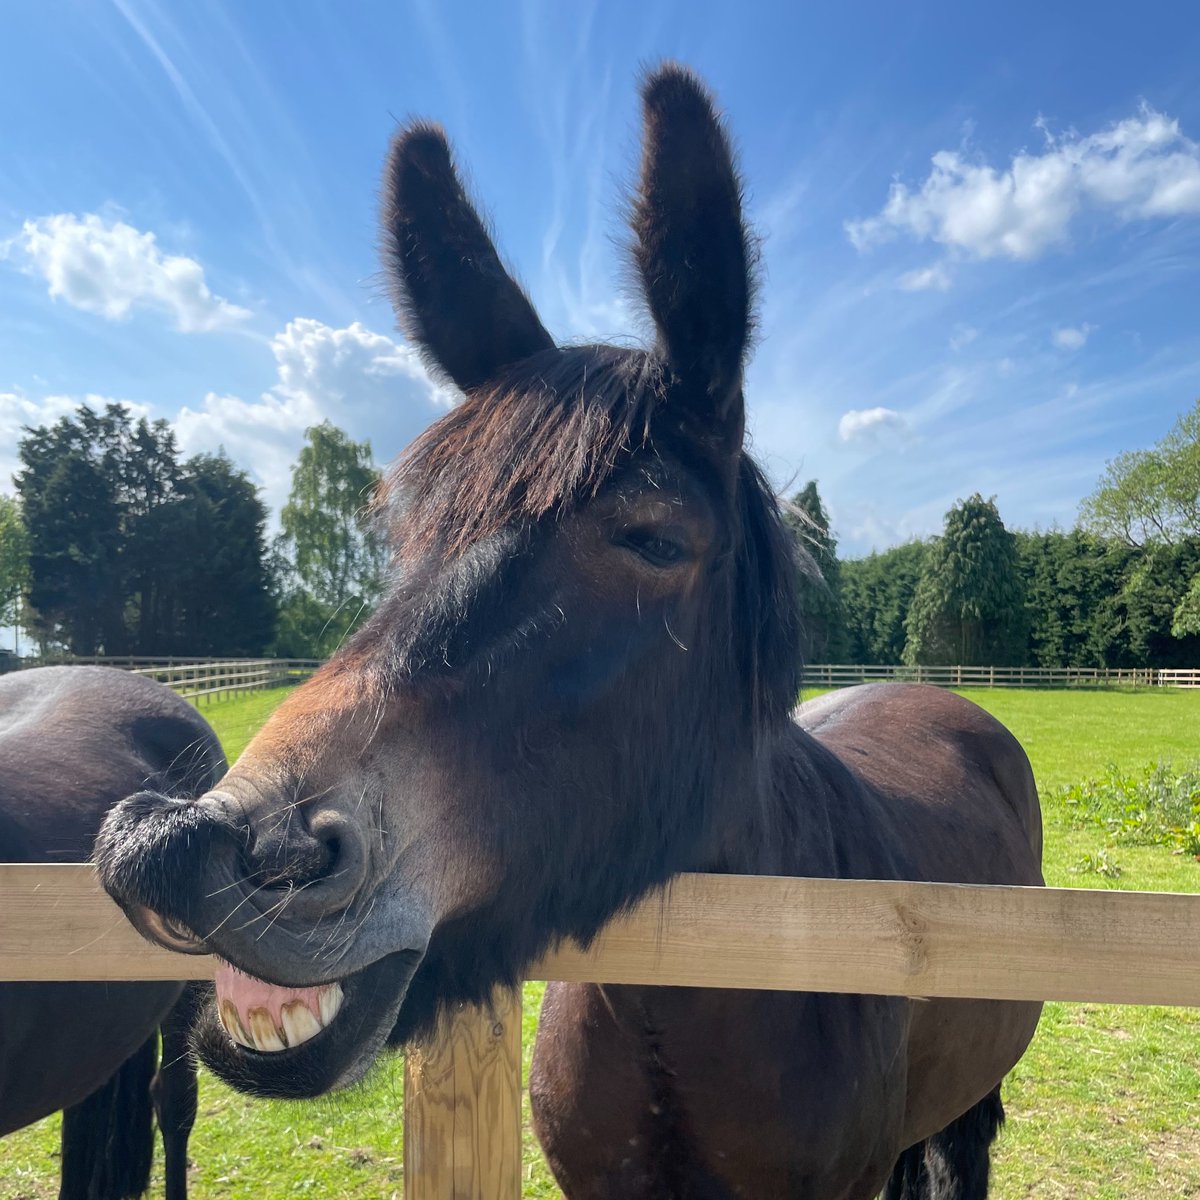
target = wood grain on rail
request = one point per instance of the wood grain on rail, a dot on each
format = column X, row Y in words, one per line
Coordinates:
column 881, row 937
column 57, row 923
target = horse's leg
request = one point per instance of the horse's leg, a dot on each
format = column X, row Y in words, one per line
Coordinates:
column 591, row 1101
column 175, row 1092
column 957, row 1160
column 910, row 1178
column 108, row 1138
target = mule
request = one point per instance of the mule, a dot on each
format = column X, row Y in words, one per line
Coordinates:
column 582, row 683
column 74, row 741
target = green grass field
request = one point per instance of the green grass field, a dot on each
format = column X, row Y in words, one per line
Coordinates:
column 1105, row 1106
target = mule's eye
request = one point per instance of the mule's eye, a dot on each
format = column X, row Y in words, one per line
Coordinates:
column 653, row 547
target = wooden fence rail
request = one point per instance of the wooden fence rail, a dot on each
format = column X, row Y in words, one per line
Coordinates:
column 869, row 936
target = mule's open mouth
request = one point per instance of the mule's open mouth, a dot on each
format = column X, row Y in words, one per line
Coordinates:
column 290, row 1042
column 266, row 1017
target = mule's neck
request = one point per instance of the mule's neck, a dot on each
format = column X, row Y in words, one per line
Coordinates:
column 801, row 811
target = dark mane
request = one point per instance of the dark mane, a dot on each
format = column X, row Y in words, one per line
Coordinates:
column 548, row 435
column 766, row 614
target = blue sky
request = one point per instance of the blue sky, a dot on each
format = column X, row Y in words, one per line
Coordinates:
column 981, row 223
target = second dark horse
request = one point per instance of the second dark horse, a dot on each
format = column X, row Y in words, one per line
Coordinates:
column 74, row 741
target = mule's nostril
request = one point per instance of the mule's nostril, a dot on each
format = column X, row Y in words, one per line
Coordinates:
column 321, row 859
column 345, row 857
column 281, row 859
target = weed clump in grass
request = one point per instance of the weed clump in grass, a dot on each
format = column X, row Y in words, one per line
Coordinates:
column 1098, row 864
column 1157, row 806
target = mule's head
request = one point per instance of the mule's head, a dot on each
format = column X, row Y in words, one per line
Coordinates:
column 590, row 634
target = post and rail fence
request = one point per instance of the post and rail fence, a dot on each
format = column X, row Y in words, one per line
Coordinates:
column 835, row 675
column 199, row 678
column 462, row 1134
column 208, row 678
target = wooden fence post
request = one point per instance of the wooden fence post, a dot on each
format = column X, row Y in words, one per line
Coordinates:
column 462, row 1108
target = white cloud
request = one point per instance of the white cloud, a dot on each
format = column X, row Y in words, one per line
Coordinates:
column 362, row 381
column 352, row 368
column 1073, row 339
column 873, row 427
column 924, row 279
column 18, row 411
column 110, row 268
column 1140, row 168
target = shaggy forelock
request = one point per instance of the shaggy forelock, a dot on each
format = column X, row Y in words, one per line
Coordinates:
column 546, row 436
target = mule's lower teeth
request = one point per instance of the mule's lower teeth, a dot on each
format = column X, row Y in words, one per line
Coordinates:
column 263, row 1031
column 331, row 1002
column 259, row 1030
column 232, row 1023
column 298, row 1022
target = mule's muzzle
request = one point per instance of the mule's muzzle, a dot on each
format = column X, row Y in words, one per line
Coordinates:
column 162, row 861
column 285, row 897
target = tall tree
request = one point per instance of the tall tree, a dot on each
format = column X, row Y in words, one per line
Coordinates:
column 1073, row 583
column 824, row 634
column 876, row 594
column 71, row 499
column 131, row 553
column 1150, row 499
column 968, row 607
column 14, row 565
column 335, row 557
column 222, row 595
column 1151, row 496
column 1155, row 603
column 1185, row 620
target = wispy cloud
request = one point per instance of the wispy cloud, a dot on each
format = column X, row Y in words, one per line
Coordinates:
column 239, row 118
column 1141, row 168
column 571, row 103
column 924, row 279
column 192, row 103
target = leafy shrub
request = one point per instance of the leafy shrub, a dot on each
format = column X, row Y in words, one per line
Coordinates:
column 1156, row 807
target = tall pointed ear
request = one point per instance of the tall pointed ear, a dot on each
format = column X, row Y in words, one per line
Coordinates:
column 453, row 297
column 693, row 252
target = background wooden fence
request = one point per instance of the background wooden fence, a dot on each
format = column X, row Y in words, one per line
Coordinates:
column 846, row 674
column 215, row 677
column 202, row 678
column 462, row 1096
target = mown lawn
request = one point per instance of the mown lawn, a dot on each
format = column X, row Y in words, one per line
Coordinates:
column 1105, row 1106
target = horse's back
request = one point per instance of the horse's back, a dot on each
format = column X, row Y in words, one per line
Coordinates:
column 75, row 740
column 952, row 781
